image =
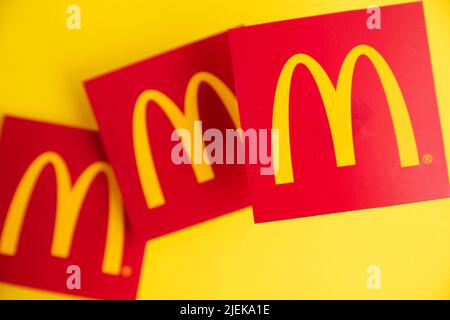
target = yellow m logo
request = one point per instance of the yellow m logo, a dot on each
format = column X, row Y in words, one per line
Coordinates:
column 337, row 102
column 68, row 204
column 179, row 119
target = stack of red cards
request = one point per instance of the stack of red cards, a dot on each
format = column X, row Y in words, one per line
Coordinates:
column 352, row 123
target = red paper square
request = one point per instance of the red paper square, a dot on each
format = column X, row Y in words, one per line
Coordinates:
column 183, row 199
column 324, row 180
column 51, row 158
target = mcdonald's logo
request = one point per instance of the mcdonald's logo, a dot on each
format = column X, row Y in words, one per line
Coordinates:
column 50, row 220
column 69, row 201
column 144, row 159
column 138, row 108
column 356, row 113
column 337, row 103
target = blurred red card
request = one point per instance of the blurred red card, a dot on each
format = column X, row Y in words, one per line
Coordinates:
column 355, row 108
column 62, row 221
column 138, row 108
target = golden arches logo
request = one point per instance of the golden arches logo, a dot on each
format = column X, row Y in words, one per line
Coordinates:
column 144, row 160
column 337, row 103
column 68, row 204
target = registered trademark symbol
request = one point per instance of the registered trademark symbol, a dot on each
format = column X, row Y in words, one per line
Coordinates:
column 427, row 158
column 126, row 271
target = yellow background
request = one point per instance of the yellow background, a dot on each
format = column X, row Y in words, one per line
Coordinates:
column 42, row 66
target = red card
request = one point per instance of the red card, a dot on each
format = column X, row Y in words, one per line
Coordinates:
column 60, row 206
column 355, row 109
column 138, row 108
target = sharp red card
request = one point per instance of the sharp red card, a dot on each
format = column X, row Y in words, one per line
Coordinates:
column 139, row 107
column 62, row 221
column 354, row 111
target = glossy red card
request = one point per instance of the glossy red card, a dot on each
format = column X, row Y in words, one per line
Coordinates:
column 354, row 109
column 139, row 107
column 62, row 220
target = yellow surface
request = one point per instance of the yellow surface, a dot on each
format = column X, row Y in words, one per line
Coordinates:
column 42, row 65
